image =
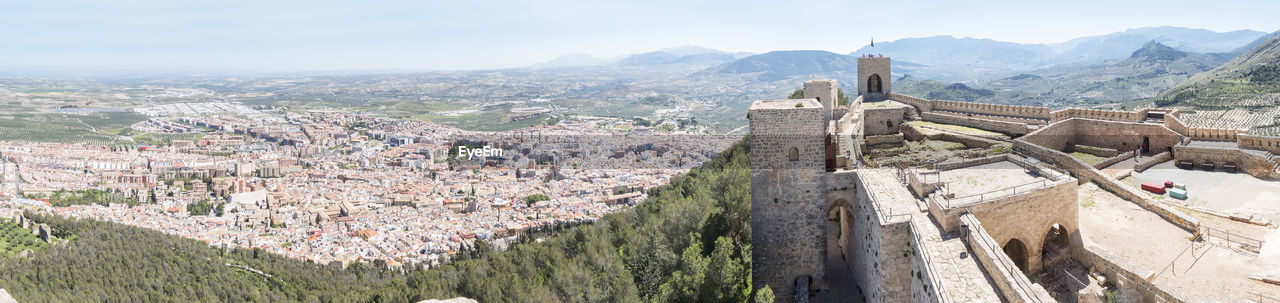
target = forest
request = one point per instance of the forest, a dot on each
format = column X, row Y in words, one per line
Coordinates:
column 690, row 241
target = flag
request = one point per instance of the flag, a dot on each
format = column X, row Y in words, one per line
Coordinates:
column 873, row 41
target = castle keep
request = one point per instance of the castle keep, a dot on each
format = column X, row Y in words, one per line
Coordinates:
column 894, row 198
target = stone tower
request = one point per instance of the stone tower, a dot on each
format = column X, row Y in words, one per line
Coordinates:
column 825, row 92
column 873, row 78
column 788, row 182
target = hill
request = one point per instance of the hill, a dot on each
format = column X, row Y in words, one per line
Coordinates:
column 970, row 52
column 953, row 59
column 931, row 89
column 1145, row 73
column 1120, row 44
column 1243, row 93
column 781, row 64
column 690, row 241
column 1249, row 80
column 659, row 58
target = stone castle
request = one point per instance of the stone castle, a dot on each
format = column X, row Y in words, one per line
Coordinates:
column 996, row 220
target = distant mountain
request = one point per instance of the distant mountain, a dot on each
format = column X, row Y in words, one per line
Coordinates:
column 572, row 60
column 659, row 58
column 1255, row 43
column 781, row 64
column 970, row 52
column 1119, row 45
column 932, row 89
column 1147, row 72
column 1251, row 79
column 951, row 59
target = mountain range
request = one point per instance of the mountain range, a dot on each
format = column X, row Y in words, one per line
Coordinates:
column 943, row 58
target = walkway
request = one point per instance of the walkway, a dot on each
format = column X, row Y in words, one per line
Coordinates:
column 961, row 276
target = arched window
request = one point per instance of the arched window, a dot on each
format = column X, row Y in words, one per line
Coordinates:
column 793, row 155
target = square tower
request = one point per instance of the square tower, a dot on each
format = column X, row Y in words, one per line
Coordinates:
column 788, row 192
column 873, row 78
column 826, row 93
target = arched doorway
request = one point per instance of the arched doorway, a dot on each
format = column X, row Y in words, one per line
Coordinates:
column 1056, row 243
column 873, row 83
column 1017, row 251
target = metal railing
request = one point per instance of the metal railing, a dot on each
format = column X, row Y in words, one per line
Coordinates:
column 994, row 194
column 1073, row 278
column 927, row 258
column 886, row 215
column 1209, row 232
column 1175, row 260
column 1019, row 280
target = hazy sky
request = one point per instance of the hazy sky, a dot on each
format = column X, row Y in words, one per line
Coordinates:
column 281, row 36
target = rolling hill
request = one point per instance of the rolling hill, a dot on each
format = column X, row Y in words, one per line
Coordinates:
column 782, row 64
column 1145, row 73
column 1243, row 93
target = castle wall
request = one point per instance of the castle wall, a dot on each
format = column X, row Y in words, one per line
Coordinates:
column 1109, row 115
column 874, row 120
column 1013, row 128
column 787, row 196
column 1128, row 276
column 1269, row 144
column 924, row 287
column 1085, row 173
column 1012, row 283
column 921, row 104
column 1036, row 212
column 1105, row 134
column 880, row 256
column 826, row 93
column 1031, row 112
column 1254, row 164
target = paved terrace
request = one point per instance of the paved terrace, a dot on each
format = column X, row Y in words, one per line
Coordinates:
column 979, row 179
column 959, row 273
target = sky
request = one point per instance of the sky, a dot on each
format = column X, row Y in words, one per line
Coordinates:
column 167, row 36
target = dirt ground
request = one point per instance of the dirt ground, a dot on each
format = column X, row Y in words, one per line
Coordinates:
column 1206, row 270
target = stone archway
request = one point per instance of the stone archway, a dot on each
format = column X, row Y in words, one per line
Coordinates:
column 873, row 84
column 1057, row 241
column 1017, row 251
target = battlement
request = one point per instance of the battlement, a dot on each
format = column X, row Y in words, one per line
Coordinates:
column 874, row 77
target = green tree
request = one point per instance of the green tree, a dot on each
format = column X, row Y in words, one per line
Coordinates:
column 764, row 295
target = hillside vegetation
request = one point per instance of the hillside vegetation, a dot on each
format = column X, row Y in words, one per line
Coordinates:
column 1249, row 80
column 689, row 242
column 1243, row 93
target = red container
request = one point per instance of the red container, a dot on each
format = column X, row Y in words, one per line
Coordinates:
column 1153, row 187
column 1168, row 184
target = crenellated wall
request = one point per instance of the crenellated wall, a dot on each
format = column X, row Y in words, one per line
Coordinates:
column 1214, row 134
column 1012, row 128
column 920, row 104
column 1270, row 144
column 1110, row 115
column 1032, row 112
